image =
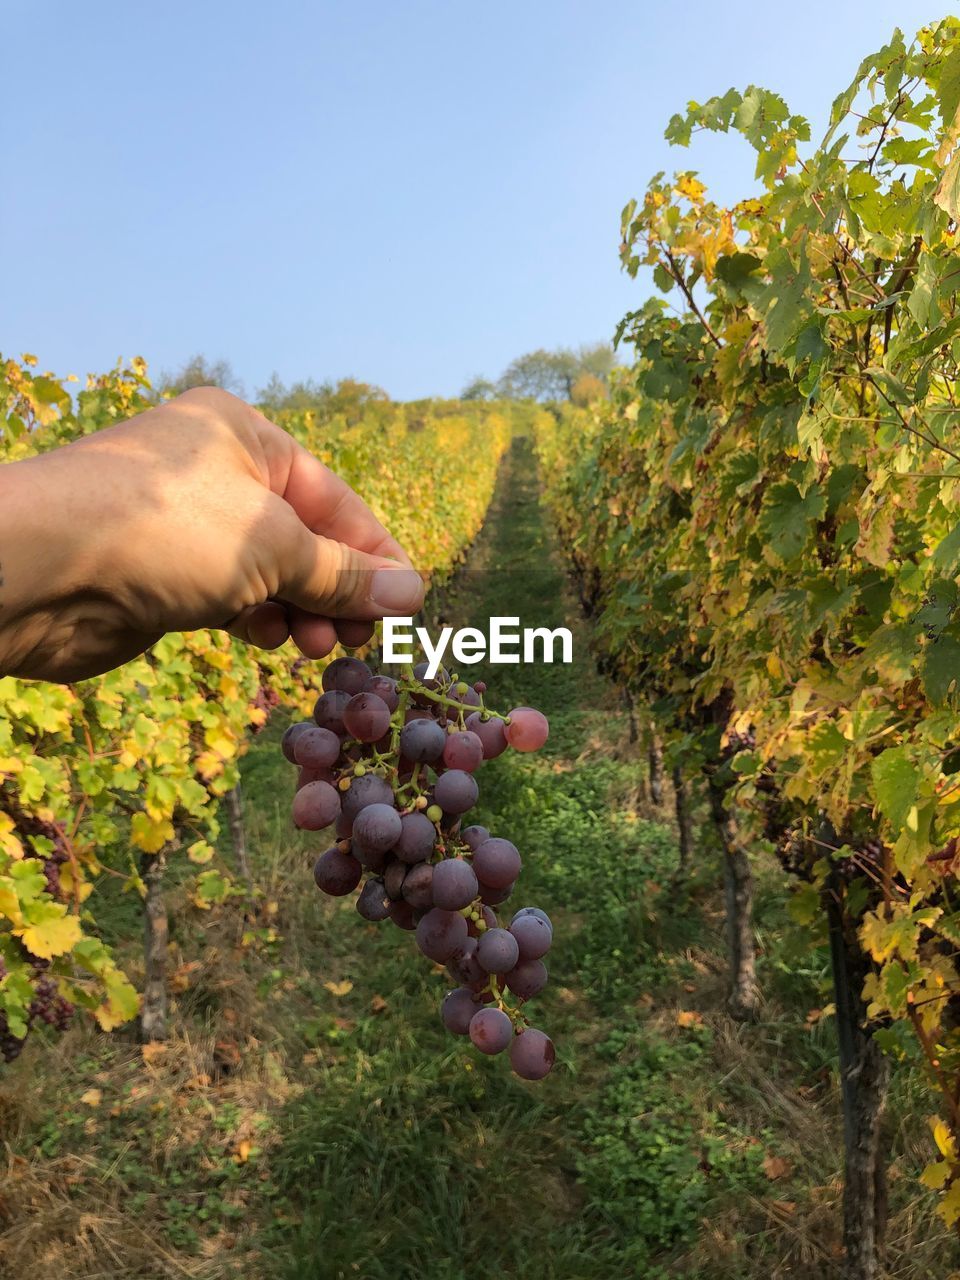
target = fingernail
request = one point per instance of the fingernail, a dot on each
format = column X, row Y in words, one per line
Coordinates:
column 397, row 590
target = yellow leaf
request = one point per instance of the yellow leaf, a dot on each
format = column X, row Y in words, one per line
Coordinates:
column 243, row 1151
column 153, row 1050
column 148, row 835
column 935, row 1174
column 943, row 1138
column 339, row 989
column 200, row 852
column 29, row 359
column 54, row 936
column 949, row 1206
column 92, row 1097
column 689, row 1018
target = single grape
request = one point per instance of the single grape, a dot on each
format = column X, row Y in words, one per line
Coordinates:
column 393, row 878
column 532, row 935
column 305, row 776
column 466, row 968
column 497, row 951
column 402, row 915
column 532, row 1054
column 457, row 1010
column 533, row 911
column 422, row 741
column 377, row 827
column 491, row 1030
column 346, row 674
column 344, row 827
column 316, row 748
column 440, row 934
column 370, row 789
column 417, row 837
column 336, row 872
column 528, row 730
column 491, row 734
column 456, row 791
column 315, row 806
column 491, row 897
column 462, row 751
column 473, row 837
column 441, row 679
column 497, row 863
column 329, row 709
column 454, row 884
column 366, row 717
column 374, row 901
column 418, row 885
column 527, row 979
column 384, row 687
column 289, row 739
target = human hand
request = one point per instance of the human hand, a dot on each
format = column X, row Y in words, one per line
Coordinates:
column 198, row 513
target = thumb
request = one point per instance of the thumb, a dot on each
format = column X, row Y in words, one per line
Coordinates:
column 330, row 578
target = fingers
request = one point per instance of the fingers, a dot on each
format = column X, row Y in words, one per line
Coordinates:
column 335, row 579
column 264, row 625
column 325, row 503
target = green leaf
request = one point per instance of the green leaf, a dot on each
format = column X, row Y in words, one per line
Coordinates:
column 941, row 669
column 896, row 784
column 787, row 519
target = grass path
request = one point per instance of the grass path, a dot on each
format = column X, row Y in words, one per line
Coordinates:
column 410, row 1155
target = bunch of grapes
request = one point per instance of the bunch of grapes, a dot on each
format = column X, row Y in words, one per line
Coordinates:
column 391, row 763
column 47, row 1006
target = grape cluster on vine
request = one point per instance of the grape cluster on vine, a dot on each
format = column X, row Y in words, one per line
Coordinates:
column 390, row 764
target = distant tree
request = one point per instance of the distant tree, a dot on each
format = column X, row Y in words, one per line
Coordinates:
column 552, row 375
column 347, row 397
column 479, row 389
column 201, row 372
column 587, row 388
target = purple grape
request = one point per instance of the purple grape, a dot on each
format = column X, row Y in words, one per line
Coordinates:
column 491, row 1030
column 316, row 748
column 370, row 789
column 418, row 886
column 316, row 806
column 454, row 884
column 497, row 863
column 497, row 951
column 457, row 1010
column 532, row 1054
column 456, row 791
column 440, row 934
column 305, row 776
column 329, row 709
column 402, row 915
column 289, row 739
column 393, row 878
column 465, row 967
column 532, row 935
column 491, row 897
column 384, row 687
column 527, row 979
column 490, row 732
column 347, row 675
column 463, row 751
column 337, row 873
column 374, row 901
column 366, row 717
column 473, row 837
column 533, row 911
column 417, row 837
column 422, row 741
column 377, row 827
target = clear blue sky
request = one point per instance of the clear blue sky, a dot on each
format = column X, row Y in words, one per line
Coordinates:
column 406, row 192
